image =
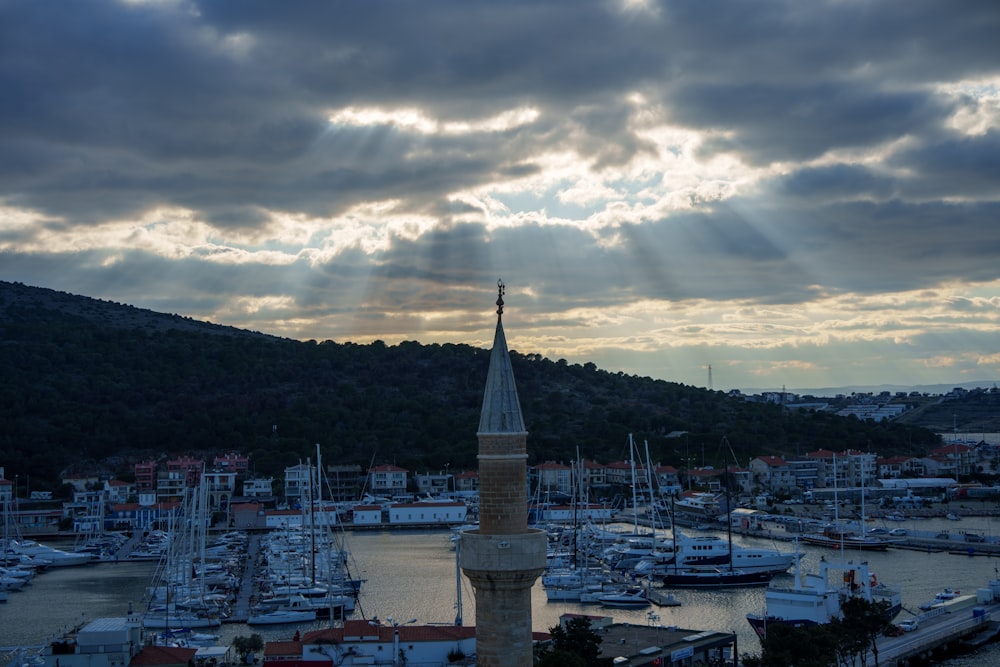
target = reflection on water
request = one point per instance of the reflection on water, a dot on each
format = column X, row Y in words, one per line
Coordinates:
column 412, row 575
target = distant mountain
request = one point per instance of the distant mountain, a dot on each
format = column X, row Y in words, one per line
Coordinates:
column 877, row 389
column 94, row 386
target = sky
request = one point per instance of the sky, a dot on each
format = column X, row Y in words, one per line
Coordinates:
column 726, row 194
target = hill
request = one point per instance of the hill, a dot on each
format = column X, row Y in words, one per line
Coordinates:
column 92, row 385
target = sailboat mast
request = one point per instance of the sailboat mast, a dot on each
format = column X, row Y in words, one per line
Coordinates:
column 635, row 508
column 458, row 581
column 729, row 502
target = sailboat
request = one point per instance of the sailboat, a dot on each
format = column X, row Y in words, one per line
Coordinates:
column 178, row 597
column 840, row 536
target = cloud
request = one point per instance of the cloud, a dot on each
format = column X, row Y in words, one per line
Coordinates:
column 793, row 191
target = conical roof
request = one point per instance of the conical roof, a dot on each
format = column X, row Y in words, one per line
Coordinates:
column 501, row 408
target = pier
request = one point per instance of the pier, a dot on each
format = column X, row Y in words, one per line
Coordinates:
column 964, row 623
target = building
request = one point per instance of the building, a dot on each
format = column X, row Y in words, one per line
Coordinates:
column 258, row 488
column 220, row 488
column 187, row 467
column 387, row 480
column 503, row 557
column 171, row 485
column 552, row 477
column 145, row 476
column 361, row 642
column 773, row 474
column 466, row 482
column 427, row 513
column 344, row 482
column 117, row 491
column 296, row 482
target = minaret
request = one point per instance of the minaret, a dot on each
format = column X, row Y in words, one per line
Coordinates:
column 503, row 558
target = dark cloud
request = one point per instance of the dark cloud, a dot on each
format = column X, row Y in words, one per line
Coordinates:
column 843, row 114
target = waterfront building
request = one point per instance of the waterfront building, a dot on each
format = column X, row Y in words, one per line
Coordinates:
column 773, row 474
column 552, row 477
column 103, row 642
column 427, row 513
column 466, row 482
column 366, row 515
column 296, row 480
column 503, row 557
column 387, row 480
column 233, row 462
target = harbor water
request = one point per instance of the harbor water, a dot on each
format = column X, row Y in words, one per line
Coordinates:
column 411, row 576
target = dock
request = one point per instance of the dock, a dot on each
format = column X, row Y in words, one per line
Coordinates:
column 661, row 598
column 241, row 608
column 956, row 626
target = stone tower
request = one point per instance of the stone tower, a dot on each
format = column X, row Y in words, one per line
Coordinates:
column 503, row 558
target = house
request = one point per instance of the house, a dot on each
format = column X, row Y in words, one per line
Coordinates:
column 145, row 476
column 387, row 480
column 552, row 477
column 296, row 482
column 232, row 462
column 466, row 482
column 189, row 468
column 117, row 491
column 103, row 642
column 143, row 517
column 666, row 480
column 82, row 482
column 171, row 485
column 258, row 487
column 960, row 458
column 705, row 478
column 220, row 487
column 773, row 474
column 282, row 518
column 344, row 482
column 361, row 642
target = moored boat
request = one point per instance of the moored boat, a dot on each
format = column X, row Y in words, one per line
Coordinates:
column 631, row 598
column 815, row 601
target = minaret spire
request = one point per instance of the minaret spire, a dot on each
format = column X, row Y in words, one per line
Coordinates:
column 501, row 289
column 503, row 557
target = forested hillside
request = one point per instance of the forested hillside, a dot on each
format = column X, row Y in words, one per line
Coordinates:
column 87, row 384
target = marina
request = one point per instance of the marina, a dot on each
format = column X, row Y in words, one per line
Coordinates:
column 411, row 574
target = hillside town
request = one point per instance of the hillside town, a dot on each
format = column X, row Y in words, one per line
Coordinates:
column 388, row 495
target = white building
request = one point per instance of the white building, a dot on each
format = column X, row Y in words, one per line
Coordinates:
column 387, row 480
column 258, row 488
column 404, row 514
column 367, row 515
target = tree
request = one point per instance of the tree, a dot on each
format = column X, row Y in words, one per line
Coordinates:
column 784, row 645
column 244, row 646
column 574, row 644
column 862, row 624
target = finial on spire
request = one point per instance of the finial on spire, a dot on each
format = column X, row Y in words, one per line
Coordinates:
column 501, row 288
